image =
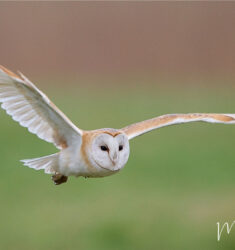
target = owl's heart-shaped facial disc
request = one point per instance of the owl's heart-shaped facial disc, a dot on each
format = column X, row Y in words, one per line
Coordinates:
column 110, row 152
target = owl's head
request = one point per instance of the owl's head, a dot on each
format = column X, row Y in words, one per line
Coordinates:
column 109, row 151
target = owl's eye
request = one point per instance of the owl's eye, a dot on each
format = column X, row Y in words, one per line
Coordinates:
column 120, row 148
column 104, row 148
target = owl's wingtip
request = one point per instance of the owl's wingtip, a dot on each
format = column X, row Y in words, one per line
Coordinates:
column 9, row 72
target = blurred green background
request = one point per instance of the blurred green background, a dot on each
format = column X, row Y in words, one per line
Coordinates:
column 179, row 181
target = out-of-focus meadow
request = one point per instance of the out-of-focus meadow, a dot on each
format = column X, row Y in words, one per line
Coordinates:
column 178, row 183
column 179, row 180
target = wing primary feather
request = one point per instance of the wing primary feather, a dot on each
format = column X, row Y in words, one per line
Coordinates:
column 32, row 109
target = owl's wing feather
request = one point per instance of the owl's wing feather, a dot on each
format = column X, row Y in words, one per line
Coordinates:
column 32, row 109
column 171, row 119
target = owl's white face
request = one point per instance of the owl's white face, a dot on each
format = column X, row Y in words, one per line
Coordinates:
column 110, row 152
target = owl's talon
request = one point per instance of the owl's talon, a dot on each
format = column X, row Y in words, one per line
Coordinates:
column 59, row 179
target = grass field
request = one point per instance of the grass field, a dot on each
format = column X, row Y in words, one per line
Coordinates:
column 178, row 183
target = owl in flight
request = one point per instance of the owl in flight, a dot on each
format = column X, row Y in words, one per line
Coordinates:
column 95, row 153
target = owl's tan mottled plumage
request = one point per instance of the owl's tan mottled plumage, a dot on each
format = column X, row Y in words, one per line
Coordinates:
column 166, row 120
column 96, row 153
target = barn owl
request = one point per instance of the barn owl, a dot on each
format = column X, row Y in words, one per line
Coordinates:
column 95, row 153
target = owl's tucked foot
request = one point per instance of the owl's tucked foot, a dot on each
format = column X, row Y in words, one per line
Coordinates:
column 59, row 178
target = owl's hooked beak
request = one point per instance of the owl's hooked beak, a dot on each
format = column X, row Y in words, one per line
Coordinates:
column 113, row 157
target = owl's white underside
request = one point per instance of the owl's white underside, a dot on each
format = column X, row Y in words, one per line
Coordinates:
column 71, row 163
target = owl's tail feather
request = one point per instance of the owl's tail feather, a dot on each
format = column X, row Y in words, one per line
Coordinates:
column 49, row 163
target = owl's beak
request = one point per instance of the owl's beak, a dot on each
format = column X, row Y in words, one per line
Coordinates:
column 113, row 157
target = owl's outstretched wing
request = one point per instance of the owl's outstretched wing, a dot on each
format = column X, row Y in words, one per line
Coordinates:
column 32, row 109
column 171, row 119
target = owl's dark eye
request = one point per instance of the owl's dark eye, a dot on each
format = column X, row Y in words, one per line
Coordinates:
column 120, row 148
column 104, row 148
